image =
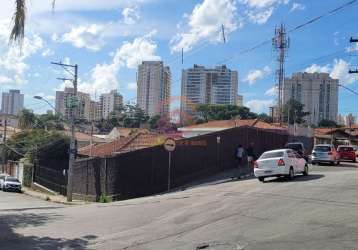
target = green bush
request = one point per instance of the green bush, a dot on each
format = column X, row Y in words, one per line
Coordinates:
column 104, row 198
column 27, row 178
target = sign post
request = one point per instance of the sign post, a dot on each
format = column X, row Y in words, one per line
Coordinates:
column 169, row 145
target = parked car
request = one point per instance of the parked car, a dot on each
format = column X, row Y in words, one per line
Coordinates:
column 2, row 179
column 346, row 153
column 356, row 150
column 325, row 153
column 299, row 148
column 282, row 162
column 11, row 184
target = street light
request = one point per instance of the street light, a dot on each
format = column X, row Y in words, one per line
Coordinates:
column 45, row 100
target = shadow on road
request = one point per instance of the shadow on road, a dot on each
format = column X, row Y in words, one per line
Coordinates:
column 9, row 239
column 299, row 178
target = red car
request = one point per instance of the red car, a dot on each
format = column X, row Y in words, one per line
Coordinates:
column 347, row 153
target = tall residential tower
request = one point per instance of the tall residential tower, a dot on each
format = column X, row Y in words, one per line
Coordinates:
column 153, row 92
column 207, row 86
column 318, row 92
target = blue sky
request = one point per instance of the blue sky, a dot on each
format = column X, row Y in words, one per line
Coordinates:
column 108, row 38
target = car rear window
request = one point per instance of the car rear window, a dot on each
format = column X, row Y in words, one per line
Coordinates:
column 268, row 155
column 12, row 179
column 294, row 146
column 345, row 149
column 322, row 148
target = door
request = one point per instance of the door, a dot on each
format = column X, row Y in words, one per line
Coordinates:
column 293, row 160
column 301, row 162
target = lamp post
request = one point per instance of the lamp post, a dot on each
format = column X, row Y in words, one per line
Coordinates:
column 45, row 100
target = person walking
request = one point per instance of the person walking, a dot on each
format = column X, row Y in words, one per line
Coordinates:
column 240, row 151
column 251, row 156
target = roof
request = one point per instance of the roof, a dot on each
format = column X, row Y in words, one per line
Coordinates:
column 326, row 131
column 226, row 124
column 83, row 137
column 133, row 142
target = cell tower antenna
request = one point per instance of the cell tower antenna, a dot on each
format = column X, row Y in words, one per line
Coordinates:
column 281, row 44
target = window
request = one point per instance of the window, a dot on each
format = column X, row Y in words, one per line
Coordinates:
column 269, row 155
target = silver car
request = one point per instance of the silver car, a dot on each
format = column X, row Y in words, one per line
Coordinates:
column 325, row 153
column 11, row 184
column 2, row 179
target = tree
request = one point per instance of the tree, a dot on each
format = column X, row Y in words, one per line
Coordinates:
column 293, row 112
column 26, row 119
column 207, row 112
column 50, row 122
column 19, row 18
column 265, row 118
column 153, row 121
column 328, row 124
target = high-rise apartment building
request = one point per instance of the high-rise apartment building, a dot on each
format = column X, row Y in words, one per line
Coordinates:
column 64, row 100
column 95, row 111
column 110, row 102
column 207, row 86
column 318, row 92
column 12, row 102
column 153, row 92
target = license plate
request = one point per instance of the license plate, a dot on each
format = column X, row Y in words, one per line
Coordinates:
column 268, row 171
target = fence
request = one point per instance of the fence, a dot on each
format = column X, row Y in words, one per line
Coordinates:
column 145, row 172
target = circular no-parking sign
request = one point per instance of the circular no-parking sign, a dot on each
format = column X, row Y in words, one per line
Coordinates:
column 169, row 145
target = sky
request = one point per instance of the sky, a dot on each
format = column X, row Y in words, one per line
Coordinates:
column 109, row 38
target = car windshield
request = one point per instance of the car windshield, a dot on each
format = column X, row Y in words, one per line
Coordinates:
column 12, row 179
column 268, row 155
column 294, row 146
column 322, row 148
column 346, row 149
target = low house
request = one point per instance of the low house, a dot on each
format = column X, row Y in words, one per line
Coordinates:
column 119, row 132
column 215, row 126
column 336, row 136
column 135, row 141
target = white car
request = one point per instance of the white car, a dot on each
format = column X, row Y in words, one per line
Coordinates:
column 11, row 184
column 282, row 162
column 2, row 179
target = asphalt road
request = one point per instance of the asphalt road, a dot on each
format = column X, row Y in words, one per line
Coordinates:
column 315, row 212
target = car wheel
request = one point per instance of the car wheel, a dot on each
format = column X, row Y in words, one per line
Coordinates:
column 338, row 163
column 305, row 172
column 291, row 174
column 262, row 179
column 354, row 161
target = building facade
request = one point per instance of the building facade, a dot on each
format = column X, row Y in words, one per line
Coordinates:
column 153, row 92
column 110, row 102
column 64, row 100
column 207, row 86
column 12, row 102
column 318, row 92
column 240, row 100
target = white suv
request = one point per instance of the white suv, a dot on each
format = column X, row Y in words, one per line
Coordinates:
column 282, row 162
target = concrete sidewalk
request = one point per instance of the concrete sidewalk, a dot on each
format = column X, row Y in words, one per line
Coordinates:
column 52, row 198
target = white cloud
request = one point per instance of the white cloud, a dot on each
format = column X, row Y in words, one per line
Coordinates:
column 259, row 106
column 205, row 23
column 5, row 80
column 297, row 6
column 314, row 68
column 13, row 60
column 257, row 74
column 260, row 17
column 259, row 11
column 263, row 3
column 131, row 15
column 272, row 91
column 141, row 49
column 47, row 53
column 50, row 97
column 132, row 86
column 130, row 54
column 339, row 70
column 87, row 36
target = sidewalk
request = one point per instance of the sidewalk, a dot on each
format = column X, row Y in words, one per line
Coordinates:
column 52, row 198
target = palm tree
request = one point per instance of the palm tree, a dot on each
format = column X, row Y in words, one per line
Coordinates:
column 18, row 29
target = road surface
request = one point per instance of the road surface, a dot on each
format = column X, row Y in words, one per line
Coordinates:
column 315, row 212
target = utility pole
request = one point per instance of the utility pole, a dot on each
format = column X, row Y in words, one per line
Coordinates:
column 280, row 43
column 4, row 142
column 72, row 105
